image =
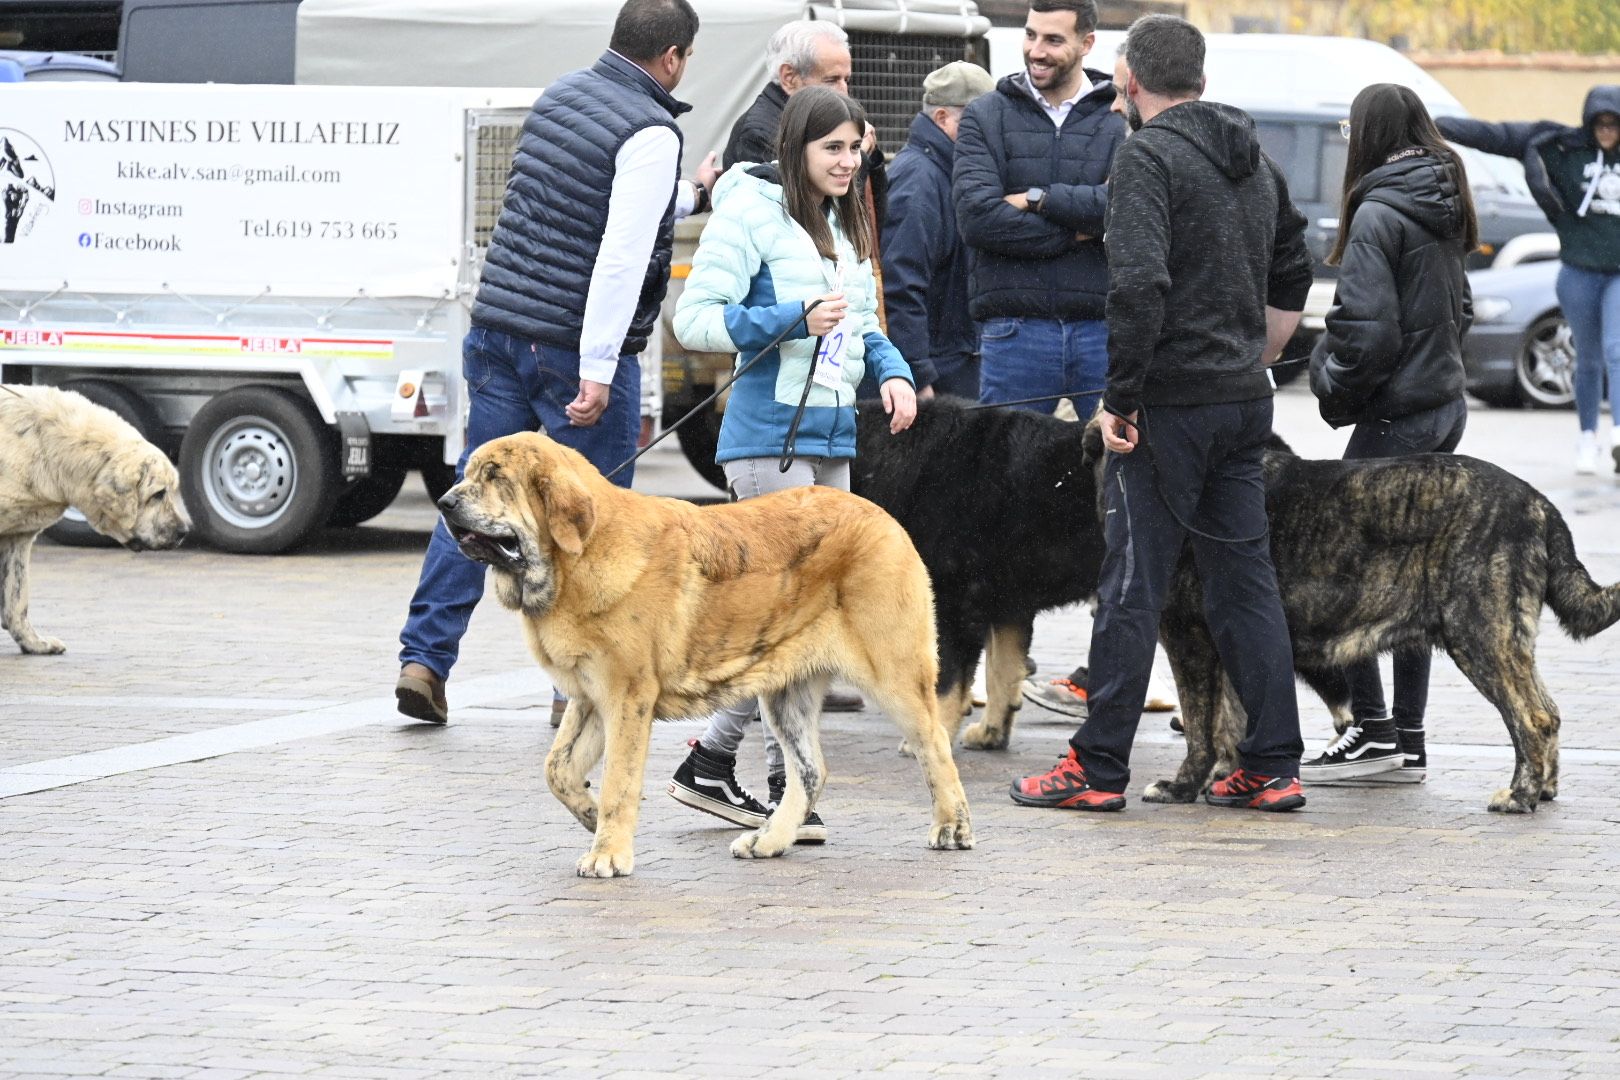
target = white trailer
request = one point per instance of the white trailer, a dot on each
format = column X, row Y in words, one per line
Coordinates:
column 272, row 282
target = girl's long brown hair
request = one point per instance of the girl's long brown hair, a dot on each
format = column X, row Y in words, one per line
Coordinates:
column 811, row 114
column 1386, row 118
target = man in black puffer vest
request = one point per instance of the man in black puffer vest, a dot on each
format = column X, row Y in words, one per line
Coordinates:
column 1029, row 182
column 571, row 288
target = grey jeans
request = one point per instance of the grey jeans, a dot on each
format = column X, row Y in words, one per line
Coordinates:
column 748, row 477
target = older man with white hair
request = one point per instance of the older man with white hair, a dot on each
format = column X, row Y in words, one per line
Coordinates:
column 806, row 52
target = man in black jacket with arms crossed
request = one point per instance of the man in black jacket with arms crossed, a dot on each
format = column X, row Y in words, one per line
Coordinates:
column 1209, row 272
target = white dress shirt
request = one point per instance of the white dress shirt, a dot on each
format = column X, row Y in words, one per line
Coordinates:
column 1059, row 112
column 644, row 176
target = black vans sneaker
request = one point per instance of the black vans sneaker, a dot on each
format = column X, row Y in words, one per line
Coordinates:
column 707, row 781
column 814, row 830
column 1414, row 761
column 1365, row 749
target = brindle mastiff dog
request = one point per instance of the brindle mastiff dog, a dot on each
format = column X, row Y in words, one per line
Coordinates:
column 642, row 607
column 1437, row 551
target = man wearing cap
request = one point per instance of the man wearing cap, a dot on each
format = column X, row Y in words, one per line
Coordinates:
column 925, row 270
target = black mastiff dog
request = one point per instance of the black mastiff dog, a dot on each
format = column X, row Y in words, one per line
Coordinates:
column 1435, row 550
column 1002, row 506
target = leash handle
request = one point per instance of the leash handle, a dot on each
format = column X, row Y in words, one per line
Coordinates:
column 789, row 448
column 700, row 406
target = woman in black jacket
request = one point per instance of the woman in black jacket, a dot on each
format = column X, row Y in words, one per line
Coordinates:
column 1390, row 363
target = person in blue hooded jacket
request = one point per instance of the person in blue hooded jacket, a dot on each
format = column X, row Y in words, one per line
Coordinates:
column 782, row 237
column 1574, row 174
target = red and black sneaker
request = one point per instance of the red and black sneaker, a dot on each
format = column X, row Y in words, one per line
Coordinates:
column 1245, row 789
column 1065, row 788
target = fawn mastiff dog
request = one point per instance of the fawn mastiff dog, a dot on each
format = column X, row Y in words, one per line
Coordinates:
column 57, row 449
column 641, row 607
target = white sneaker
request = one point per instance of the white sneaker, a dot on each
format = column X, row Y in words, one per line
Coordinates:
column 1586, row 453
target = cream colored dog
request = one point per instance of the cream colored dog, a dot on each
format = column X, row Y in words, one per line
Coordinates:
column 642, row 608
column 59, row 450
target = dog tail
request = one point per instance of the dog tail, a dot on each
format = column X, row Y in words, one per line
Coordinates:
column 1583, row 607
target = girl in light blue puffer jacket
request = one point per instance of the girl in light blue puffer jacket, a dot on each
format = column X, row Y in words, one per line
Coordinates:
column 781, row 237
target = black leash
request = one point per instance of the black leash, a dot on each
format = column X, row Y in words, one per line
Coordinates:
column 789, row 449
column 1100, row 389
column 706, row 402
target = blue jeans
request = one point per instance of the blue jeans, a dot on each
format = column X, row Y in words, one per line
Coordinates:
column 1025, row 357
column 512, row 386
column 1591, row 303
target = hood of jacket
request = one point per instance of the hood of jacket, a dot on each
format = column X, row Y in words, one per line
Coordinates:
column 1017, row 85
column 1422, row 188
column 1599, row 100
column 1221, row 133
column 746, row 180
column 927, row 137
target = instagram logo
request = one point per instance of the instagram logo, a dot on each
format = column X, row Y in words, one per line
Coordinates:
column 86, row 206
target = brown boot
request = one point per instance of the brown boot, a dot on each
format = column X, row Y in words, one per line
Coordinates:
column 421, row 694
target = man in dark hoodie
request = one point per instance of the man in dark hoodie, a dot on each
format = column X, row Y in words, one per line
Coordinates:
column 1209, row 274
column 1574, row 174
column 1030, row 186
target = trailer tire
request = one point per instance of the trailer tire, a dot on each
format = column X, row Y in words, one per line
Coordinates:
column 365, row 498
column 699, row 437
column 72, row 530
column 438, row 478
column 259, row 470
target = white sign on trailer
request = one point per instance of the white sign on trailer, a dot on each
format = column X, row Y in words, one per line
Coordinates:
column 317, row 191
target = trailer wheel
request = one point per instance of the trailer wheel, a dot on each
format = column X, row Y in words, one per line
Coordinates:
column 259, row 470
column 437, row 478
column 365, row 498
column 699, row 437
column 73, row 530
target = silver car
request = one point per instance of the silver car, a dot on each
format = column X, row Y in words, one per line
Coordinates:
column 1519, row 351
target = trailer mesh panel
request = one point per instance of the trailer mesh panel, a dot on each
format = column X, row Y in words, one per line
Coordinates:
column 889, row 73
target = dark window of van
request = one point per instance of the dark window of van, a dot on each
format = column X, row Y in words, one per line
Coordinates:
column 225, row 41
column 1294, row 147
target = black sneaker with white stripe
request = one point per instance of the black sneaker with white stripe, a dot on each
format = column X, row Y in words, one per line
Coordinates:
column 1369, row 748
column 1414, row 761
column 813, row 830
column 707, row 781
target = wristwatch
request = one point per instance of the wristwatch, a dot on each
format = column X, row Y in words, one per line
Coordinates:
column 1036, row 197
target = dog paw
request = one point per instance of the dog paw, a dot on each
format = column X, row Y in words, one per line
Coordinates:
column 754, row 845
column 980, row 737
column 1548, row 794
column 604, row 864
column 951, row 836
column 1506, row 802
column 44, row 646
column 1166, row 791
column 906, row 749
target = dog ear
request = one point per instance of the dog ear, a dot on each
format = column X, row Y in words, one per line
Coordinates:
column 1091, row 443
column 570, row 510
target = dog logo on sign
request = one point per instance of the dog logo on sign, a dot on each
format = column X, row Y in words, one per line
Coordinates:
column 29, row 184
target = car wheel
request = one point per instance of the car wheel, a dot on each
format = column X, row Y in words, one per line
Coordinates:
column 1546, row 364
column 259, row 470
column 72, row 529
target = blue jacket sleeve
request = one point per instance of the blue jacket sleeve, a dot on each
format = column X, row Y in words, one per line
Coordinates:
column 1080, row 207
column 987, row 221
column 884, row 359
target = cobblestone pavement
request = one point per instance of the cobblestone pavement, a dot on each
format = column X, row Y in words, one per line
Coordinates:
column 225, row 856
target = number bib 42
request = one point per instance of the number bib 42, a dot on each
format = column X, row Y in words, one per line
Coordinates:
column 830, row 358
